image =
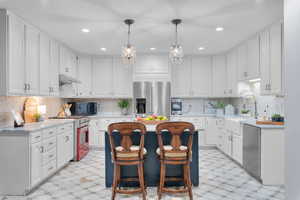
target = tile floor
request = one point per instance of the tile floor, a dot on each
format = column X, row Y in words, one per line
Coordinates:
column 220, row 179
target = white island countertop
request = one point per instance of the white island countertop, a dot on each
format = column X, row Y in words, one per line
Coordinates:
column 36, row 126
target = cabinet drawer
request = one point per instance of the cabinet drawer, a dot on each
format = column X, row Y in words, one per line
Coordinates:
column 49, row 168
column 49, row 156
column 65, row 128
column 50, row 132
column 35, row 137
column 49, row 144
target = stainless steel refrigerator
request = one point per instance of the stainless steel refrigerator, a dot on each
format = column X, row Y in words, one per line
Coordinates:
column 152, row 97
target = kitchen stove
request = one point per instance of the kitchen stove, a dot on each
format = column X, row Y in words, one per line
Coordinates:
column 81, row 137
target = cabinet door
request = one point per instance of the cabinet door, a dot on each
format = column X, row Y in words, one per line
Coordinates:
column 211, row 132
column 45, row 74
column 276, row 58
column 84, row 74
column 242, row 62
column 69, row 145
column 201, row 74
column 227, row 142
column 54, row 68
column 253, row 69
column 16, row 56
column 32, row 53
column 36, row 163
column 265, row 62
column 237, row 148
column 219, row 76
column 231, row 69
column 122, row 79
column 102, row 77
column 61, row 150
column 181, row 79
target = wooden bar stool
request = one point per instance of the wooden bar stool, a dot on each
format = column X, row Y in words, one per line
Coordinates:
column 175, row 153
column 127, row 154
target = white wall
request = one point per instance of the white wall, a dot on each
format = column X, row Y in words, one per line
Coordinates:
column 292, row 61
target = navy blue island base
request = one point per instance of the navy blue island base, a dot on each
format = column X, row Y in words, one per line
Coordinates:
column 151, row 164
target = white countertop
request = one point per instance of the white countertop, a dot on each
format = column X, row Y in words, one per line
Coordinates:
column 111, row 116
column 253, row 123
column 31, row 127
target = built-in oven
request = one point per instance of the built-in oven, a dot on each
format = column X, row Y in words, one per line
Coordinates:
column 82, row 143
column 176, row 106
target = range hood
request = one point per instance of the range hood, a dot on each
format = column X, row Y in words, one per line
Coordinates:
column 66, row 80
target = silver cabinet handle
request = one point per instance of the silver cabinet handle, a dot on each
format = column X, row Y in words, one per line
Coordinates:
column 67, row 138
column 25, row 86
column 50, row 168
column 41, row 149
column 36, row 137
column 50, row 143
column 29, row 88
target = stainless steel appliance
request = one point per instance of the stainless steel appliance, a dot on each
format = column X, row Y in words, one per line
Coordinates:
column 252, row 150
column 81, row 135
column 176, row 106
column 84, row 108
column 152, row 97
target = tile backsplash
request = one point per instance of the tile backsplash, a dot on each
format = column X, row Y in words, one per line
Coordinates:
column 17, row 103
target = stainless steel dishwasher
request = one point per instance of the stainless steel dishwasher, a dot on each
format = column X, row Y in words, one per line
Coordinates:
column 252, row 150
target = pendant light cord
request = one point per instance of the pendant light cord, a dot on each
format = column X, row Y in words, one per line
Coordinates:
column 176, row 35
column 128, row 39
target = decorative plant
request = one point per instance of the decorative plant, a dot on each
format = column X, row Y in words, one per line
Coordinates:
column 245, row 111
column 220, row 105
column 37, row 116
column 276, row 116
column 123, row 103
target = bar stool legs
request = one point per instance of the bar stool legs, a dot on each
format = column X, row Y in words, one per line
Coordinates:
column 117, row 180
column 141, row 180
column 186, row 179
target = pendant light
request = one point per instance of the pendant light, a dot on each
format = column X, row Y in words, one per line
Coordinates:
column 176, row 51
column 128, row 51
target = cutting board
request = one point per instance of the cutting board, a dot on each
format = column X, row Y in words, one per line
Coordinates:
column 270, row 123
column 30, row 110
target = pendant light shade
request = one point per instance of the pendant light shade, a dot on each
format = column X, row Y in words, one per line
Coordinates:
column 128, row 51
column 176, row 50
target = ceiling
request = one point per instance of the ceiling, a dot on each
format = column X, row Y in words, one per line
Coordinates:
column 64, row 19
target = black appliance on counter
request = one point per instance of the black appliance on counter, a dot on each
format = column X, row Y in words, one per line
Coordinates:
column 84, row 108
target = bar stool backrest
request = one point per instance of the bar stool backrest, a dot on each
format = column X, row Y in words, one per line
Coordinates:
column 126, row 130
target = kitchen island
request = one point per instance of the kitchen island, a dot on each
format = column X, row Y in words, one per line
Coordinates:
column 151, row 164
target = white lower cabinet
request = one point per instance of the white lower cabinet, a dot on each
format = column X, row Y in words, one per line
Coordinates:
column 211, row 132
column 36, row 150
column 32, row 157
column 237, row 148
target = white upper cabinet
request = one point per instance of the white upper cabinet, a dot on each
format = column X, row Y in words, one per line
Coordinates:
column 265, row 61
column 242, row 62
column 102, row 77
column 276, row 58
column 44, row 65
column 32, row 60
column 84, row 74
column 16, row 60
column 201, row 76
column 271, row 60
column 181, row 79
column 248, row 59
column 232, row 74
column 67, row 62
column 122, row 77
column 253, row 69
column 219, row 76
column 54, row 68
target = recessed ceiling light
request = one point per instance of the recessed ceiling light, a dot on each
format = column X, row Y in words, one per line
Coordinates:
column 85, row 30
column 103, row 49
column 201, row 48
column 152, row 48
column 219, row 29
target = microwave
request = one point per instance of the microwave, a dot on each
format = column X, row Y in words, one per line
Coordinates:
column 84, row 108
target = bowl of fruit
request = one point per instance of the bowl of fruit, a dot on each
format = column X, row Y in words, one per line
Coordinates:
column 152, row 119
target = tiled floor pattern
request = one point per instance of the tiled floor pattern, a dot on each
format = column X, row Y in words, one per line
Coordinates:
column 220, row 179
